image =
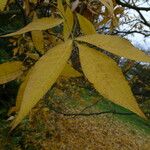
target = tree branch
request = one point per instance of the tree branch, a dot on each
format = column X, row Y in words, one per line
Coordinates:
column 138, row 9
column 90, row 114
column 144, row 20
column 130, row 32
column 132, row 7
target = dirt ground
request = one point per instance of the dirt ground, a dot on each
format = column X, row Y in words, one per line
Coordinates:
column 91, row 133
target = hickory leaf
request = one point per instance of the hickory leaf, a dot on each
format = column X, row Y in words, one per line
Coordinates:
column 20, row 94
column 43, row 75
column 33, row 1
column 85, row 25
column 33, row 56
column 116, row 45
column 68, row 2
column 107, row 78
column 3, row 4
column 38, row 39
column 38, row 24
column 10, row 71
column 60, row 8
column 108, row 4
column 69, row 71
column 68, row 23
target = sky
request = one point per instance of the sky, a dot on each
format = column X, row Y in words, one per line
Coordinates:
column 138, row 40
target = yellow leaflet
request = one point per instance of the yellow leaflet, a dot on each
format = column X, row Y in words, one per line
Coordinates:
column 69, row 71
column 68, row 2
column 103, row 22
column 108, row 4
column 2, row 4
column 27, row 7
column 10, row 71
column 60, row 8
column 21, row 91
column 68, row 23
column 119, row 10
column 54, row 40
column 107, row 78
column 116, row 45
column 85, row 25
column 33, row 56
column 43, row 75
column 33, row 1
column 110, row 7
column 38, row 24
column 20, row 94
column 38, row 39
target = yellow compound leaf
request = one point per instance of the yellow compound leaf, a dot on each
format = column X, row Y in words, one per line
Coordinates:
column 68, row 2
column 109, row 5
column 69, row 71
column 21, row 90
column 107, row 78
column 119, row 10
column 116, row 45
column 38, row 39
column 43, row 75
column 33, row 1
column 33, row 56
column 85, row 25
column 27, row 7
column 2, row 4
column 15, row 51
column 68, row 23
column 60, row 8
column 103, row 22
column 38, row 24
column 10, row 71
column 20, row 94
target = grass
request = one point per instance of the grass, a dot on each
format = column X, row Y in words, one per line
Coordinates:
column 105, row 105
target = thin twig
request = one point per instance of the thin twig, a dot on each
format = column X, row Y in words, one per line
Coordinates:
column 91, row 114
